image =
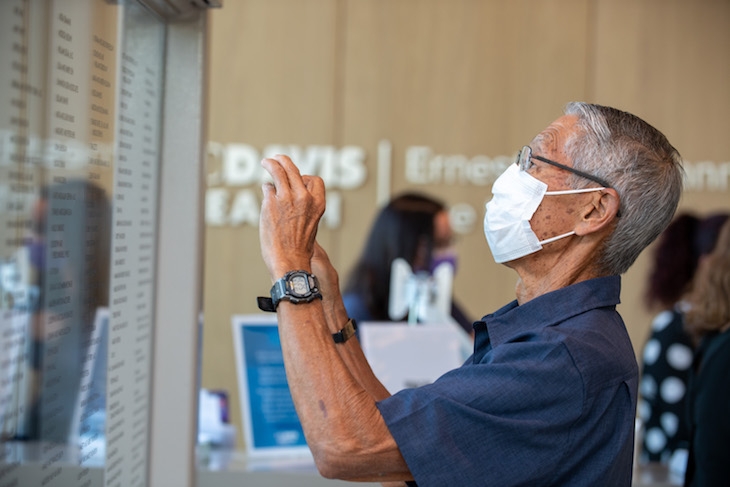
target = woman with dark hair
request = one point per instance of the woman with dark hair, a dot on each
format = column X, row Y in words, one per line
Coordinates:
column 708, row 321
column 413, row 227
column 667, row 354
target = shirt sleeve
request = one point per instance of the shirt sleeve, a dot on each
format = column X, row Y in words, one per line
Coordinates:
column 507, row 420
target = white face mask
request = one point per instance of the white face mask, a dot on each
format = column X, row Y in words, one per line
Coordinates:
column 516, row 196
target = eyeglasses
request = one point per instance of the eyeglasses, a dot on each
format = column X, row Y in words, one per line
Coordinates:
column 524, row 162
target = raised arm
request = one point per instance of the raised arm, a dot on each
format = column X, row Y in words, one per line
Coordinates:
column 336, row 316
column 333, row 388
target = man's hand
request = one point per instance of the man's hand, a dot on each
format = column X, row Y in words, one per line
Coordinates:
column 324, row 270
column 290, row 212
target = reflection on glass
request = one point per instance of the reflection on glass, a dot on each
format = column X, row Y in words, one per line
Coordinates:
column 60, row 266
column 80, row 93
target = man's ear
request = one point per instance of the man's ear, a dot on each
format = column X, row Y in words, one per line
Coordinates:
column 600, row 213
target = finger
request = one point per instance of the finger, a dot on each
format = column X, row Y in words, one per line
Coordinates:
column 269, row 190
column 294, row 176
column 269, row 195
column 278, row 174
column 315, row 187
column 313, row 184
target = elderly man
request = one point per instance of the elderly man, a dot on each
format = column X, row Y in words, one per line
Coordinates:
column 549, row 395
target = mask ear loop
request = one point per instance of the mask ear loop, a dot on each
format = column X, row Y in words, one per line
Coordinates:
column 573, row 191
column 577, row 191
column 558, row 237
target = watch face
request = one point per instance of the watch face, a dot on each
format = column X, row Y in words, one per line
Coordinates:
column 299, row 285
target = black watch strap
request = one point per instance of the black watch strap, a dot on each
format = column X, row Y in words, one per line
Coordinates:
column 265, row 304
column 346, row 332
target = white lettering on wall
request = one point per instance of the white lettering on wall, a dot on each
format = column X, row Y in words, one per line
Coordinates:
column 240, row 165
column 233, row 195
column 383, row 173
column 707, row 176
column 351, row 168
column 343, row 168
column 333, row 213
column 422, row 166
column 244, row 209
column 216, row 206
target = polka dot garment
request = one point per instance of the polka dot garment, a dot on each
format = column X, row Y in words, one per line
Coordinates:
column 666, row 361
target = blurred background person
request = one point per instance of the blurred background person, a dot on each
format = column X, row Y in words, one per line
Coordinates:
column 413, row 227
column 667, row 354
column 708, row 320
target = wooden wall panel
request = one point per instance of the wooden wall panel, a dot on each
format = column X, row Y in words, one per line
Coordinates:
column 466, row 78
column 271, row 81
column 668, row 62
column 462, row 77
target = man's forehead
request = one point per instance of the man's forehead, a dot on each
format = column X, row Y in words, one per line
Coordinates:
column 552, row 139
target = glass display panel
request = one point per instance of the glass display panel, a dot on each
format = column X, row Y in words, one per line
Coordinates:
column 80, row 104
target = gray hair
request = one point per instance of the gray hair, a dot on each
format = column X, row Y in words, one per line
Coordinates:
column 640, row 164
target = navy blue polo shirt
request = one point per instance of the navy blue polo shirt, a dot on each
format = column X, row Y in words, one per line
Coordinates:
column 548, row 398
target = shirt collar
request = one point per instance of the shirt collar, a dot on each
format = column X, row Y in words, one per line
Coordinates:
column 514, row 320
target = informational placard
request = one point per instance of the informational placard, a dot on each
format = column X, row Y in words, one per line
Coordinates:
column 271, row 425
column 405, row 356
